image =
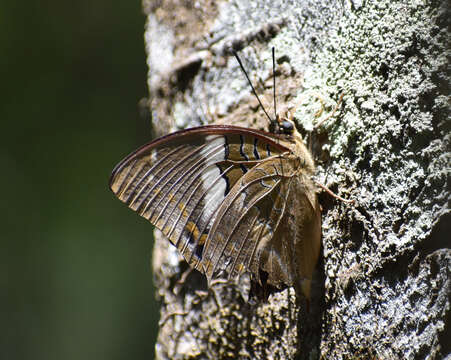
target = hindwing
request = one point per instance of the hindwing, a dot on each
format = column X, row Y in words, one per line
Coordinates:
column 249, row 217
column 269, row 223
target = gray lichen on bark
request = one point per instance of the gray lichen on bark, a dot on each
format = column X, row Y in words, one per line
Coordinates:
column 383, row 285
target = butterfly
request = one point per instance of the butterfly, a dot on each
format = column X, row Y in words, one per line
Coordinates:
column 231, row 199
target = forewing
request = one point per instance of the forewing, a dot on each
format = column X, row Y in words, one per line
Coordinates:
column 180, row 181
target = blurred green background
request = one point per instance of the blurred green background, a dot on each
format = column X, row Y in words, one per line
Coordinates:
column 75, row 273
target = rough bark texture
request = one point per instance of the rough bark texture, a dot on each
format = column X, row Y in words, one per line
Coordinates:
column 382, row 289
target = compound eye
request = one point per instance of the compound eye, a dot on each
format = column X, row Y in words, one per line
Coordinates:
column 287, row 127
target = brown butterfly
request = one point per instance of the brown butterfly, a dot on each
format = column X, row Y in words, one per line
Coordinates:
column 231, row 199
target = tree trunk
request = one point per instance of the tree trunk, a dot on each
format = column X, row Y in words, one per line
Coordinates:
column 382, row 288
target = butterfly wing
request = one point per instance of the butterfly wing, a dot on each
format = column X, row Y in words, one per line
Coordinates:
column 269, row 223
column 297, row 241
column 180, row 182
column 248, row 219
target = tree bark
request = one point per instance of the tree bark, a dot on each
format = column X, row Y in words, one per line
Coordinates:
column 382, row 288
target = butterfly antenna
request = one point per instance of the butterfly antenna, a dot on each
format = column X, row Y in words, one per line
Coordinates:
column 274, row 81
column 252, row 86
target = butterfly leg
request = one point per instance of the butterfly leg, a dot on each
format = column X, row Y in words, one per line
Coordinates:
column 331, row 193
column 170, row 315
column 213, row 288
column 332, row 114
column 181, row 281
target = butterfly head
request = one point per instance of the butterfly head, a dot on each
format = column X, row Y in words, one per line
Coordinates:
column 282, row 126
column 285, row 126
